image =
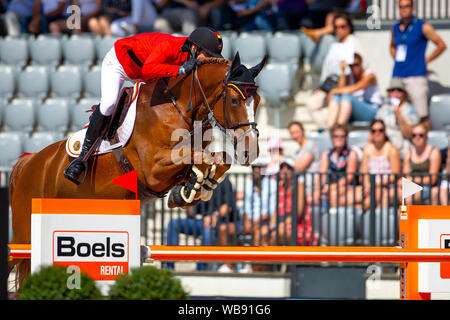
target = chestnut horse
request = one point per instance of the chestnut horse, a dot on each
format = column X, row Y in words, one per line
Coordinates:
column 210, row 94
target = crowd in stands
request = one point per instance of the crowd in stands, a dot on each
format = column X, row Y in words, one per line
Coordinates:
column 122, row 17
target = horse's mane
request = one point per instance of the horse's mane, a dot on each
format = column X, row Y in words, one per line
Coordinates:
column 213, row 60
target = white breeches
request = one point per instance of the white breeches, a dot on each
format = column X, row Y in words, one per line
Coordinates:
column 112, row 79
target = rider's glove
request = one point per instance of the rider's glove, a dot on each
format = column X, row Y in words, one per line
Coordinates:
column 189, row 66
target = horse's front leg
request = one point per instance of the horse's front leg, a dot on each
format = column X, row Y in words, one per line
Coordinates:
column 215, row 176
column 184, row 195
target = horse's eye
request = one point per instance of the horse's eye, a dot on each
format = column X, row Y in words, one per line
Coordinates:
column 234, row 100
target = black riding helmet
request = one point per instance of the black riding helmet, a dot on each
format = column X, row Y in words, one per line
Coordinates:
column 207, row 39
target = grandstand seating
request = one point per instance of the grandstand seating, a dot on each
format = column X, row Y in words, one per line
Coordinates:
column 19, row 115
column 79, row 50
column 274, row 83
column 66, row 82
column 53, row 115
column 91, row 82
column 33, row 82
column 11, row 146
column 251, row 48
column 14, row 51
column 7, row 80
column 45, row 50
column 79, row 115
column 39, row 140
column 103, row 45
column 438, row 139
column 440, row 112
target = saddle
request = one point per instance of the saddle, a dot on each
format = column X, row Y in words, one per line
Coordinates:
column 119, row 112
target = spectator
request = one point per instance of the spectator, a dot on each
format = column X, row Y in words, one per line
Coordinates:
column 280, row 226
column 337, row 168
column 408, row 45
column 307, row 157
column 343, row 50
column 112, row 11
column 88, row 9
column 176, row 16
column 287, row 14
column 351, row 7
column 441, row 195
column 257, row 201
column 356, row 97
column 398, row 115
column 213, row 213
column 423, row 162
column 142, row 18
column 382, row 159
column 252, row 15
column 44, row 13
column 275, row 149
column 17, row 16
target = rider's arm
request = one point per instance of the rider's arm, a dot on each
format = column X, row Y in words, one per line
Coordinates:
column 156, row 67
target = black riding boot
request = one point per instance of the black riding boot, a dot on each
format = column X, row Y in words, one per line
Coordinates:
column 78, row 166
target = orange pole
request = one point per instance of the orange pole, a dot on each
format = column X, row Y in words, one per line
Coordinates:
column 297, row 254
column 280, row 254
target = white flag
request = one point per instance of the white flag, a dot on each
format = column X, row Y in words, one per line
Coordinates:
column 409, row 188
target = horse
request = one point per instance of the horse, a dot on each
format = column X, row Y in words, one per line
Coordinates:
column 216, row 94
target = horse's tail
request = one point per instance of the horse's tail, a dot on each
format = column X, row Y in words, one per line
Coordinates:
column 15, row 173
column 23, row 265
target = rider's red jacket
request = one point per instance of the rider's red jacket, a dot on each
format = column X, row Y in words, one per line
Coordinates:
column 151, row 55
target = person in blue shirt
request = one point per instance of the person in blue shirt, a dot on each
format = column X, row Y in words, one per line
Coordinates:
column 409, row 40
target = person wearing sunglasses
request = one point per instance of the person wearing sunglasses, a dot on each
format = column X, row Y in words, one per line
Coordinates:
column 408, row 46
column 382, row 159
column 336, row 171
column 343, row 50
column 421, row 164
column 357, row 96
column 398, row 115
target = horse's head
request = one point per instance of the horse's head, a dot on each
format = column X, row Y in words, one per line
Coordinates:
column 235, row 108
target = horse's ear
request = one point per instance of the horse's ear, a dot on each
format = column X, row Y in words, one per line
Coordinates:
column 236, row 61
column 257, row 69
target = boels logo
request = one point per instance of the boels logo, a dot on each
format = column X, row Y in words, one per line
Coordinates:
column 101, row 254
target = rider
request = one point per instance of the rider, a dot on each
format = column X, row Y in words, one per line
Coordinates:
column 144, row 56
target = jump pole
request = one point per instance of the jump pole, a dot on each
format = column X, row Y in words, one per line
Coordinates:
column 423, row 254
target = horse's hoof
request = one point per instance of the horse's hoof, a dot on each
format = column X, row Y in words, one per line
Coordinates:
column 175, row 198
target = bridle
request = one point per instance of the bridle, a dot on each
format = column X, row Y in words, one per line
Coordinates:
column 211, row 119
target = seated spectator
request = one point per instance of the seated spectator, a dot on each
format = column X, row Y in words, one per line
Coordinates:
column 343, row 50
column 356, row 97
column 44, row 13
column 213, row 213
column 441, row 195
column 287, row 14
column 423, row 162
column 112, row 10
column 257, row 201
column 351, row 7
column 18, row 14
column 275, row 149
column 307, row 158
column 142, row 18
column 88, row 9
column 176, row 16
column 398, row 115
column 280, row 225
column 337, row 168
column 382, row 159
column 251, row 15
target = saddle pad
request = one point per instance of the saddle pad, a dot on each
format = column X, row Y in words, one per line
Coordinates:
column 75, row 141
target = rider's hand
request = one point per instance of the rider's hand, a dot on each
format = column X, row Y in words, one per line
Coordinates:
column 189, row 66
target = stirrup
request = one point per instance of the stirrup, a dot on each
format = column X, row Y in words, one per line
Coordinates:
column 84, row 163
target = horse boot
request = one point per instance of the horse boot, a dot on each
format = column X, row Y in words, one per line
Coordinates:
column 80, row 164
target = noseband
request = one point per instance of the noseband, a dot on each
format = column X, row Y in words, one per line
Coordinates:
column 228, row 124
